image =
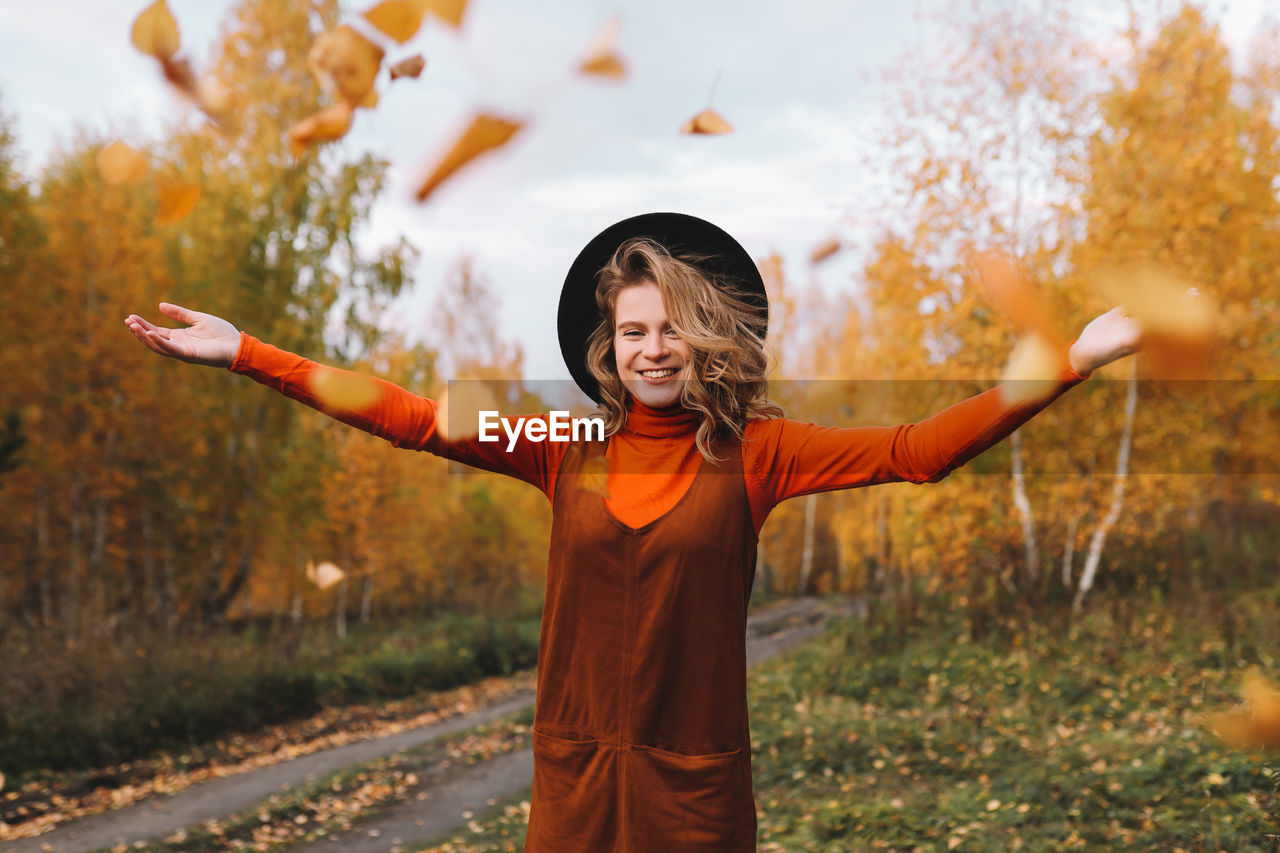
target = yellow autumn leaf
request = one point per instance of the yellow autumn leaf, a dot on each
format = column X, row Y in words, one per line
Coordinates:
column 155, row 32
column 1158, row 300
column 324, row 575
column 344, row 390
column 484, row 133
column 448, row 11
column 1032, row 371
column 707, row 122
column 325, row 126
column 345, row 63
column 410, row 67
column 458, row 415
column 1258, row 726
column 594, row 476
column 176, row 200
column 208, row 95
column 824, row 250
column 397, row 19
column 601, row 59
column 120, row 164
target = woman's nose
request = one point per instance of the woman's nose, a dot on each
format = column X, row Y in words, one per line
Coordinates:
column 655, row 347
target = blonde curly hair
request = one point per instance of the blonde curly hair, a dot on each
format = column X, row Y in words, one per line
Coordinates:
column 723, row 329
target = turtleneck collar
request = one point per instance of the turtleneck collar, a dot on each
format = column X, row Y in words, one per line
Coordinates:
column 660, row 423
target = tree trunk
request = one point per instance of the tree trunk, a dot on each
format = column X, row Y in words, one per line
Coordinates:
column 1094, row 556
column 1030, row 549
column 806, row 557
column 342, row 607
column 366, row 599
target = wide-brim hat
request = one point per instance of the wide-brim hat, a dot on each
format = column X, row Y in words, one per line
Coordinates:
column 680, row 234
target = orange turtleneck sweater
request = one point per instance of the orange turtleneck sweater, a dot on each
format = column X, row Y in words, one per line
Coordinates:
column 653, row 460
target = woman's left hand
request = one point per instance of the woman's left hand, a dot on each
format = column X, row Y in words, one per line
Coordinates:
column 1106, row 338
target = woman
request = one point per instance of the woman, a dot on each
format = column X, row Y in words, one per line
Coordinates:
column 641, row 740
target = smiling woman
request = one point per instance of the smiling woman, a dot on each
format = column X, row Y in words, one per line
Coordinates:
column 641, row 740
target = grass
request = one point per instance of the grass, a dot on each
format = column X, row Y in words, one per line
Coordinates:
column 68, row 709
column 1042, row 736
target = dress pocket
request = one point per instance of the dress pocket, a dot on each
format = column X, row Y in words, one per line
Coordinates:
column 574, row 803
column 691, row 802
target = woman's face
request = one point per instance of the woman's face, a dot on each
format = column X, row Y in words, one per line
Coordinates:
column 652, row 360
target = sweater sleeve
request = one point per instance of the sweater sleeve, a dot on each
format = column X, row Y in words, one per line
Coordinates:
column 398, row 416
column 785, row 458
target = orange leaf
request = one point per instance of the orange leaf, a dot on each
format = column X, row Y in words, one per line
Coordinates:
column 458, row 415
column 213, row 100
column 324, row 575
column 601, row 60
column 398, row 19
column 155, row 32
column 341, row 389
column 410, row 67
column 484, row 133
column 346, row 63
column 1177, row 324
column 1032, row 372
column 324, row 126
column 1005, row 285
column 824, row 250
column 708, row 121
column 120, row 164
column 176, row 201
column 449, row 11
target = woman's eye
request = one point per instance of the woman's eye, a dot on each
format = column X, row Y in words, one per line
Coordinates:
column 672, row 333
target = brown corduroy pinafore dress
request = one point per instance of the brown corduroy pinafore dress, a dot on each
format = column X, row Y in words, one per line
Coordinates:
column 640, row 739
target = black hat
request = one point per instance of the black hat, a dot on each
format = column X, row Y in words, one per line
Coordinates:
column 679, row 234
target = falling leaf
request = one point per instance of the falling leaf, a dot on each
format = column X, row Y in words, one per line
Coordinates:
column 601, row 60
column 208, row 95
column 1177, row 320
column 824, row 250
column 458, row 416
column 342, row 389
column 397, row 19
column 120, row 164
column 410, row 67
column 324, row 575
column 155, row 32
column 324, row 126
column 593, row 476
column 345, row 63
column 484, row 133
column 1258, row 727
column 176, row 201
column 449, row 11
column 1032, row 372
column 1006, row 286
column 707, row 122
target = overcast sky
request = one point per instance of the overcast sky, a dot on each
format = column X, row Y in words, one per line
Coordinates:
column 796, row 79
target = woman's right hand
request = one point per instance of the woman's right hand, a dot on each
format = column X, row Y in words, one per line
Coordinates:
column 206, row 340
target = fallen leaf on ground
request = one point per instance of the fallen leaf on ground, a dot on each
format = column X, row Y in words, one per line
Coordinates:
column 346, row 63
column 484, row 133
column 1258, row 727
column 342, row 389
column 410, row 67
column 601, row 59
column 325, row 126
column 324, row 575
column 120, row 164
column 1007, row 287
column 1032, row 371
column 155, row 32
column 397, row 19
column 707, row 122
column 176, row 201
column 824, row 250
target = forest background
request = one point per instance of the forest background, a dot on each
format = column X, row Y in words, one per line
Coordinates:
column 155, row 513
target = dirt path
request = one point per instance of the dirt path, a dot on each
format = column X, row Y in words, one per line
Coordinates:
column 437, row 810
